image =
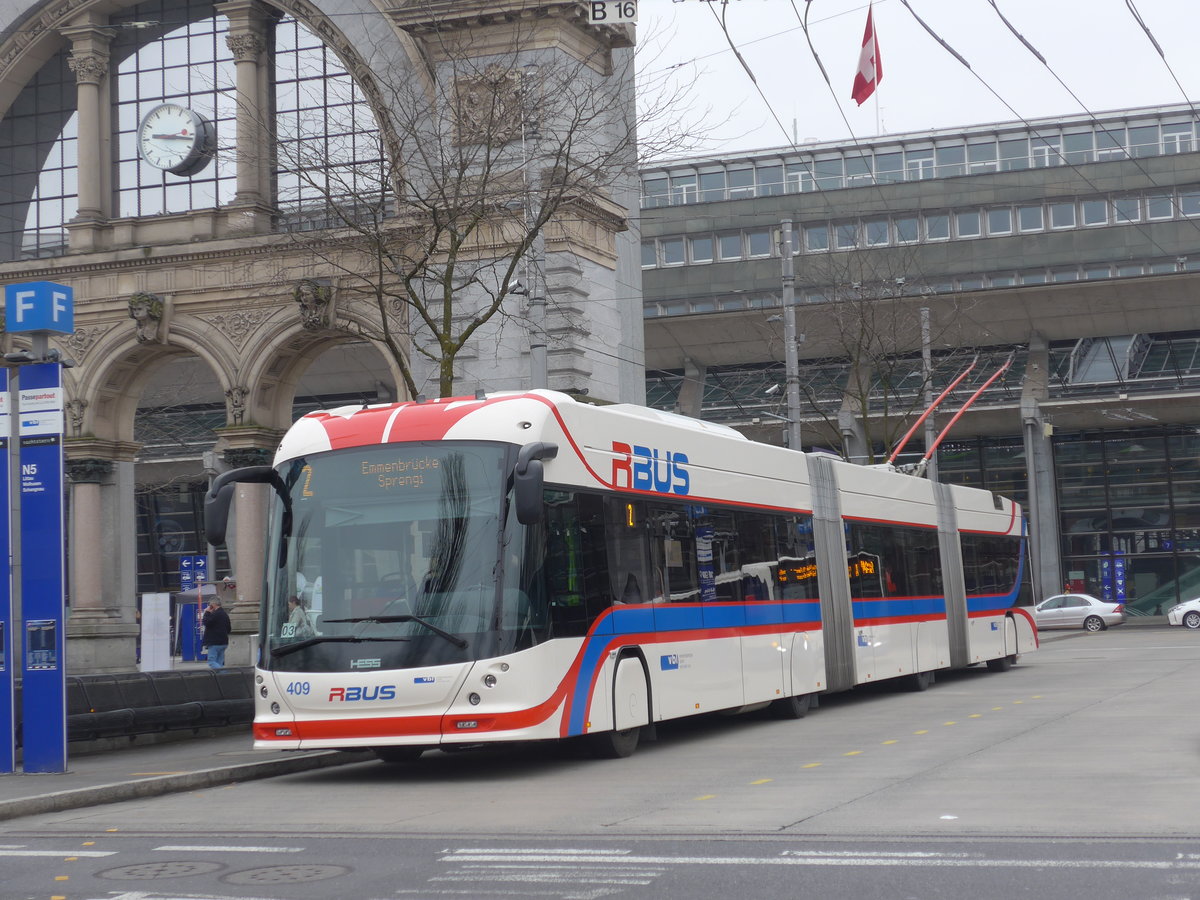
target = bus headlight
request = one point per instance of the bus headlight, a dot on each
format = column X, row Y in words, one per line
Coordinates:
column 473, row 698
column 489, row 680
column 274, row 709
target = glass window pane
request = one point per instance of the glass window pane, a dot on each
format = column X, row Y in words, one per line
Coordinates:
column 999, row 220
column 649, row 254
column 702, row 249
column 1126, row 209
column 1189, row 203
column 816, row 237
column 1062, row 215
column 1160, row 206
column 950, row 161
column 712, row 186
column 672, row 251
column 1077, row 148
column 1143, row 140
column 1014, row 154
column 828, row 173
column 889, row 167
column 770, row 180
column 968, row 224
column 846, row 235
column 1029, row 218
column 876, row 231
column 907, row 229
column 730, row 246
column 1095, row 212
column 759, row 242
column 937, row 227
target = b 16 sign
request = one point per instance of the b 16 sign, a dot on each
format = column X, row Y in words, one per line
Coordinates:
column 613, row 12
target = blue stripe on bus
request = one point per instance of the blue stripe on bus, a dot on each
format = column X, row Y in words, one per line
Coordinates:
column 898, row 607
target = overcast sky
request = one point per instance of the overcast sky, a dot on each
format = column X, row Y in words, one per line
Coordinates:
column 1096, row 47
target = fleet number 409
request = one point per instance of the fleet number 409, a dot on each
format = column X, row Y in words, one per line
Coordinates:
column 299, row 687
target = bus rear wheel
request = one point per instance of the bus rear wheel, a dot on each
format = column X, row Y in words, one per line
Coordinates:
column 791, row 707
column 614, row 744
column 1003, row 664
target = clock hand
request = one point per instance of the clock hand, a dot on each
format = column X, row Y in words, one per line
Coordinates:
column 171, row 137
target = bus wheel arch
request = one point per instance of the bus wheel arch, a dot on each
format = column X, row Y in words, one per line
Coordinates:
column 630, row 709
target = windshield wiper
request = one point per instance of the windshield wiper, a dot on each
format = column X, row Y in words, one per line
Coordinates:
column 405, row 617
column 328, row 639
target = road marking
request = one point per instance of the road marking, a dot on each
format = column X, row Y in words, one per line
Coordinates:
column 91, row 854
column 201, row 848
column 852, row 753
column 810, row 765
column 949, row 723
column 763, row 781
column 892, row 741
column 975, row 716
column 864, row 858
column 706, row 796
column 922, row 731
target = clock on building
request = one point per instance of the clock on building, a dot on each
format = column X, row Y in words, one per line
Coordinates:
column 175, row 139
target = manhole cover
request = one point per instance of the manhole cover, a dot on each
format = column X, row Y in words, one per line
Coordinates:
column 169, row 869
column 284, row 874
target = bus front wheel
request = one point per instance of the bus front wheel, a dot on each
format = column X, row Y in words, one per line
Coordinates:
column 614, row 744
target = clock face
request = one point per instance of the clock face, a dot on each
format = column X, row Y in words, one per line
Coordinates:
column 174, row 139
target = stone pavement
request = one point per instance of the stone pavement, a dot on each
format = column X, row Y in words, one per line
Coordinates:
column 95, row 778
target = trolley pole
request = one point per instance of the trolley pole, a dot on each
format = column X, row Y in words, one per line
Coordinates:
column 791, row 355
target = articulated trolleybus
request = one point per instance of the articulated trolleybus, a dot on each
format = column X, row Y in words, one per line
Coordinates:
column 520, row 567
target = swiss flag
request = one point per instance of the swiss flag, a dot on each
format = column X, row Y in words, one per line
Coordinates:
column 870, row 66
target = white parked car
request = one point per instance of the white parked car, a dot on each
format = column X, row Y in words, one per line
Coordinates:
column 1078, row 611
column 1185, row 614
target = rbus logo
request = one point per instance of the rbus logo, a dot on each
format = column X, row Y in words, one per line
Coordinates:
column 643, row 469
column 353, row 694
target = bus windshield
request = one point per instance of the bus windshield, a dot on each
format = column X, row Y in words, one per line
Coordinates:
column 391, row 557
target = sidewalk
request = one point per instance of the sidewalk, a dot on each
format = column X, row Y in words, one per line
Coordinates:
column 110, row 776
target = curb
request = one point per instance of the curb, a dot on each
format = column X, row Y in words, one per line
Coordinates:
column 116, row 792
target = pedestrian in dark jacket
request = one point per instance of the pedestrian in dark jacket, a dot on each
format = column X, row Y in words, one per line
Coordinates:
column 216, row 633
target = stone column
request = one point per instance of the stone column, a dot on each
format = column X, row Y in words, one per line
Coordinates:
column 252, row 207
column 247, row 538
column 102, row 626
column 89, row 61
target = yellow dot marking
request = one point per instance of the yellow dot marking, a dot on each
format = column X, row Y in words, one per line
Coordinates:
column 62, row 877
column 706, row 797
column 852, row 753
column 71, row 859
column 112, row 829
column 949, row 723
column 1036, row 697
column 922, row 731
column 975, row 716
column 89, row 843
column 1018, row 701
column 892, row 741
column 761, row 781
column 58, row 897
column 997, row 707
column 810, row 765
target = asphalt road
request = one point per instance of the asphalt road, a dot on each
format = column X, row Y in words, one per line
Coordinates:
column 1074, row 775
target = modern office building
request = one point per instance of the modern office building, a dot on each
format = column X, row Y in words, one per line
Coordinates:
column 1068, row 248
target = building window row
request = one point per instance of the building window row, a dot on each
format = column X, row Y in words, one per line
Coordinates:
column 928, row 227
column 912, row 287
column 918, row 159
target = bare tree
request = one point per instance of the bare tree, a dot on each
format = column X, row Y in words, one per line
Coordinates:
column 431, row 220
column 866, row 380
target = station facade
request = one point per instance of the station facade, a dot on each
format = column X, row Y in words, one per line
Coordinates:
column 1067, row 247
column 192, row 170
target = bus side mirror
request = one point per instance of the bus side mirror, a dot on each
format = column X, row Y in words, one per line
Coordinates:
column 220, row 496
column 529, row 480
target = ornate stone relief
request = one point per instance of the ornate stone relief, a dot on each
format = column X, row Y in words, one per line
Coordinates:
column 316, row 303
column 149, row 312
column 488, row 106
column 238, row 324
column 235, row 399
column 89, row 470
column 75, row 411
column 81, row 341
column 89, row 68
column 245, row 46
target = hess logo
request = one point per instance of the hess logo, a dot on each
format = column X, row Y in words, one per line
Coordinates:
column 354, row 694
column 646, row 469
